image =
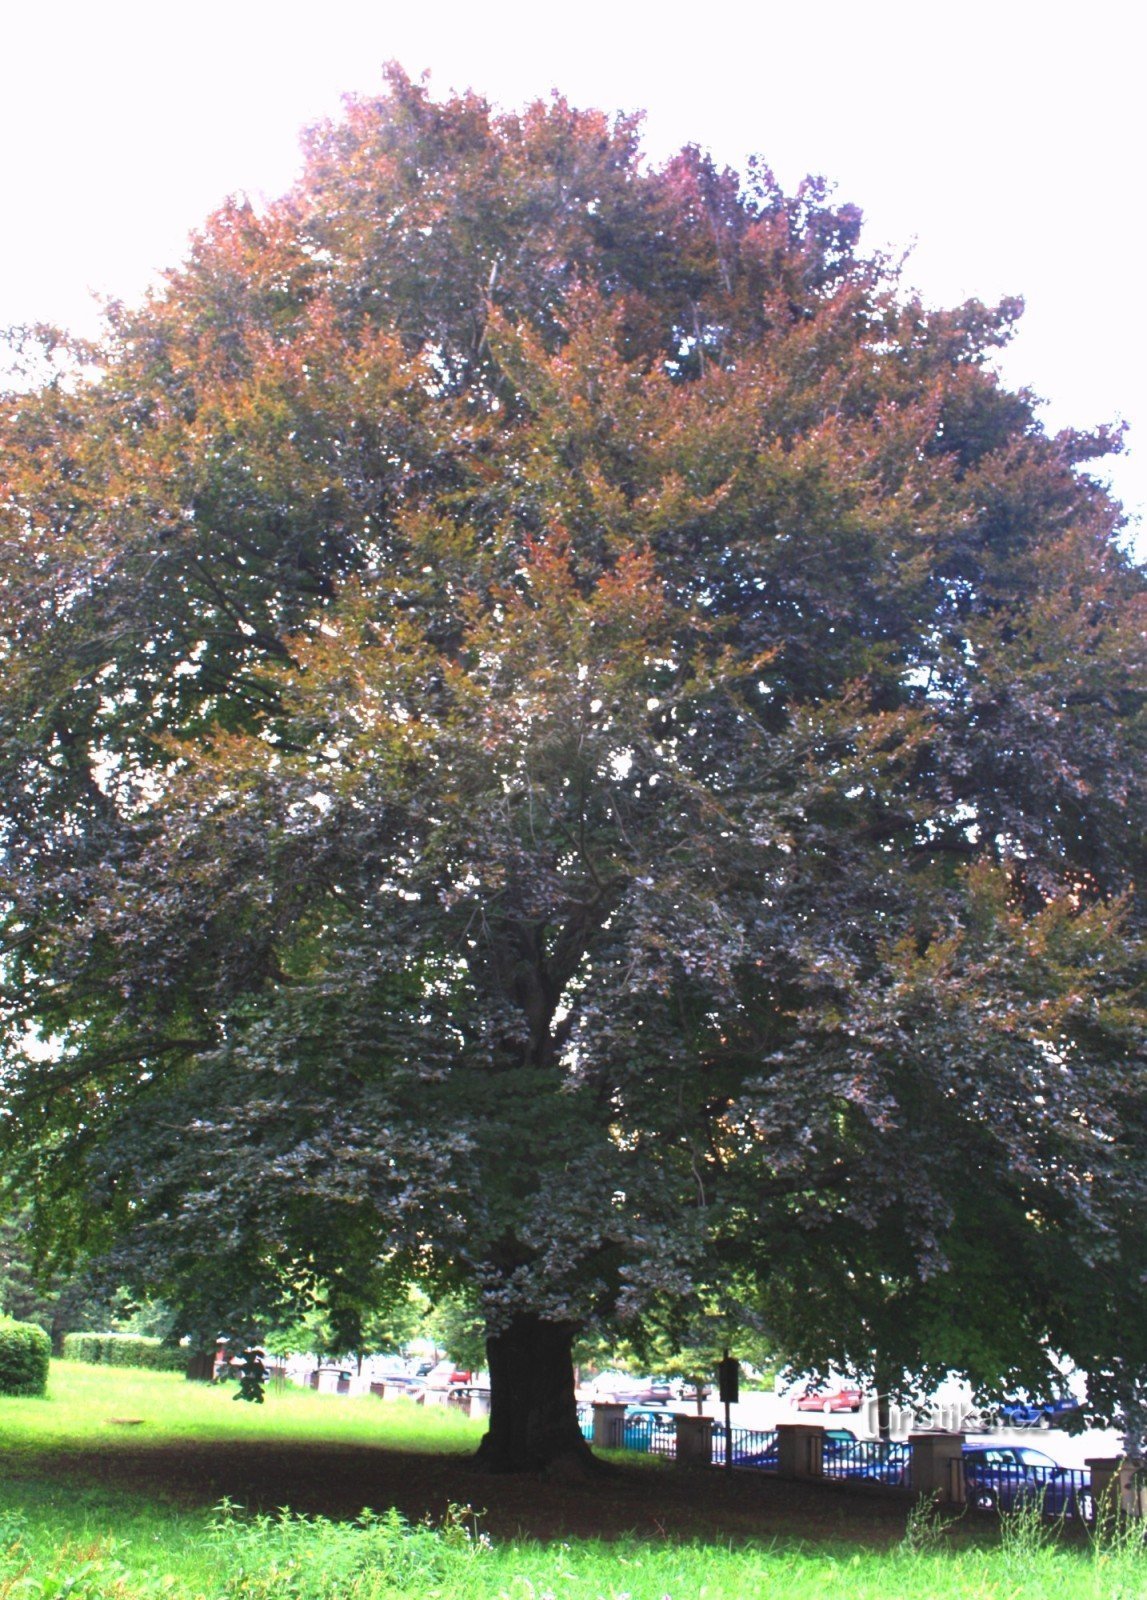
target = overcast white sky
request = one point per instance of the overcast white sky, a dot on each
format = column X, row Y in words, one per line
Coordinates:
column 1006, row 139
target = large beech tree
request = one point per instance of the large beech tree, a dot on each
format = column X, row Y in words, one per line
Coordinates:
column 562, row 738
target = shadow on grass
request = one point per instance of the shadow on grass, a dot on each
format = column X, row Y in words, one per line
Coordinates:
column 644, row 1499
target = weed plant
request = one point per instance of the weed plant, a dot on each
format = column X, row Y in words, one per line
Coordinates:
column 926, row 1528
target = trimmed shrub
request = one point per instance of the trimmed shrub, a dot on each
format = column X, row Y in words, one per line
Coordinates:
column 124, row 1350
column 25, row 1350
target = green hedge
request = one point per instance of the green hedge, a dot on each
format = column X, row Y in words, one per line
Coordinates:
column 124, row 1350
column 25, row 1350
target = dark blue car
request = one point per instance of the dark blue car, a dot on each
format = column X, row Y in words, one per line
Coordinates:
column 871, row 1460
column 1039, row 1413
column 1000, row 1477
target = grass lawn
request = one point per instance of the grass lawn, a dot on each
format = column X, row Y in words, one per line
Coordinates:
column 111, row 1489
column 106, row 1406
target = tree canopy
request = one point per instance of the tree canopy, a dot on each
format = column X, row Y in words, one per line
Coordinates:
column 565, row 739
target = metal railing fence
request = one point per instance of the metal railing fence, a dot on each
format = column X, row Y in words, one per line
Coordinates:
column 1002, row 1486
column 750, row 1447
column 986, row 1485
column 867, row 1460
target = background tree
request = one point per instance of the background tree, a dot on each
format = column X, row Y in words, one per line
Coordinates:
column 457, row 1326
column 60, row 1302
column 686, row 1341
column 563, row 741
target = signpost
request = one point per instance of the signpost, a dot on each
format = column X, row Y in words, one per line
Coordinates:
column 729, row 1390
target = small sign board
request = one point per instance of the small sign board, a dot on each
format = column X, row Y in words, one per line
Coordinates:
column 729, row 1380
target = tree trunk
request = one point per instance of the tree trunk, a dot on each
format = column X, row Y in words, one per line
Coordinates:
column 884, row 1416
column 882, row 1379
column 533, row 1411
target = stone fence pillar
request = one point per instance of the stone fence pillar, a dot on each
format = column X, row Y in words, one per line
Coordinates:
column 800, row 1450
column 694, row 1440
column 478, row 1403
column 1117, row 1483
column 938, row 1466
column 608, row 1425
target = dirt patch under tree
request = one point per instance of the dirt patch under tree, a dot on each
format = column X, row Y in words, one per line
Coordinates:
column 648, row 1499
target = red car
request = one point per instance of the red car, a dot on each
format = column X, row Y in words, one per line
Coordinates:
column 445, row 1375
column 828, row 1400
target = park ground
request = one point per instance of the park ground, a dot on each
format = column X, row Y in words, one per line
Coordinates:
column 112, row 1489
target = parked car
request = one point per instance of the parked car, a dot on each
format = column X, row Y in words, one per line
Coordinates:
column 441, row 1378
column 998, row 1477
column 650, row 1391
column 1039, row 1413
column 654, row 1416
column 874, row 1461
column 399, row 1380
column 445, row 1375
column 1018, row 1414
column 628, row 1390
column 765, row 1454
column 813, row 1397
column 1056, row 1411
column 846, row 1456
column 650, row 1428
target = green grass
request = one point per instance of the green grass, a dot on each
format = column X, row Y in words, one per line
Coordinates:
column 84, row 1404
column 94, row 1551
column 68, row 1541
